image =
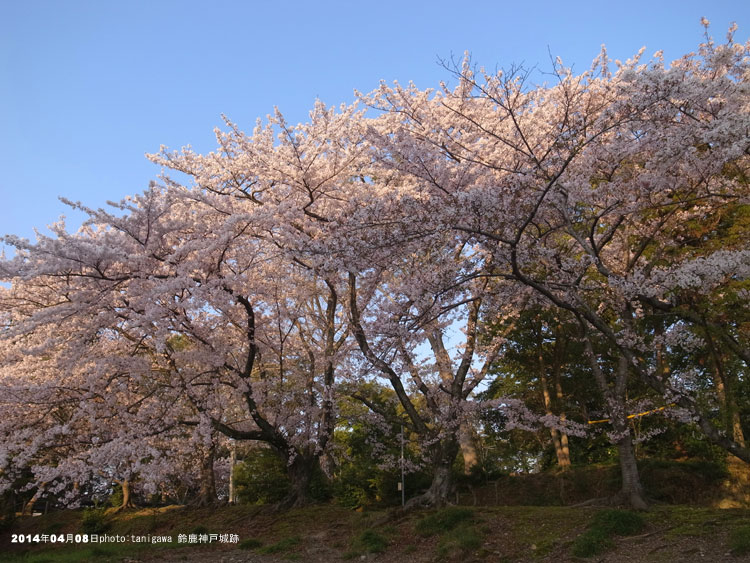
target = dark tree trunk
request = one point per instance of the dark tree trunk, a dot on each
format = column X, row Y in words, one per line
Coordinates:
column 632, row 490
column 442, row 482
column 207, row 493
column 300, row 473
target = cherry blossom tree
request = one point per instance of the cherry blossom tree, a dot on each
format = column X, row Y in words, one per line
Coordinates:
column 577, row 188
column 215, row 333
column 234, row 298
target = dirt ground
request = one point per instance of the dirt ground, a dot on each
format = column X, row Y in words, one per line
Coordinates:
column 326, row 533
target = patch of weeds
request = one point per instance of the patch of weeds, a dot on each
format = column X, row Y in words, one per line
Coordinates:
column 443, row 521
column 739, row 541
column 409, row 549
column 280, row 546
column 250, row 543
column 368, row 541
column 618, row 522
column 606, row 523
column 456, row 528
column 592, row 542
column 371, row 541
column 200, row 529
column 465, row 539
column 93, row 521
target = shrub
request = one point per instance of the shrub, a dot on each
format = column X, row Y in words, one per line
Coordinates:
column 443, row 520
column 605, row 524
column 93, row 521
column 369, row 541
column 618, row 522
column 250, row 543
column 280, row 546
column 261, row 478
column 592, row 542
column 739, row 541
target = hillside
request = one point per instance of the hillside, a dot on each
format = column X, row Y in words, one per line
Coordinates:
column 329, row 533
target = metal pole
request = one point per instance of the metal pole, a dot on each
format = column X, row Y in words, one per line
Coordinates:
column 403, row 488
column 232, row 461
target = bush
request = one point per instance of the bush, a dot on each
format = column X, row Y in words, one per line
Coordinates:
column 115, row 499
column 592, row 542
column 280, row 546
column 250, row 543
column 605, row 524
column 444, row 520
column 261, row 478
column 93, row 521
column 369, row 541
column 739, row 541
column 618, row 522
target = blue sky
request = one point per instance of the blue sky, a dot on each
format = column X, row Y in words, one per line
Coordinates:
column 87, row 88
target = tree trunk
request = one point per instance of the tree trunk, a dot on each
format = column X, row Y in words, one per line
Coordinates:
column 632, row 490
column 469, row 452
column 559, row 440
column 563, row 456
column 28, row 508
column 232, row 463
column 736, row 487
column 127, row 499
column 442, row 482
column 207, row 493
column 300, row 473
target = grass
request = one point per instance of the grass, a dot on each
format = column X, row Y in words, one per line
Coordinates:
column 537, row 531
column 507, row 533
column 367, row 541
column 592, row 542
column 250, row 543
column 94, row 521
column 618, row 522
column 281, row 546
column 597, row 539
column 739, row 541
column 443, row 521
column 457, row 530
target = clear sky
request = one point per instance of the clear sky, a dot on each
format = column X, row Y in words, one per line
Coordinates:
column 88, row 87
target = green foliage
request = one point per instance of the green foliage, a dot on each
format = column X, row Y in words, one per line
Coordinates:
column 94, row 521
column 464, row 538
column 261, row 478
column 320, row 486
column 280, row 546
column 592, row 542
column 618, row 522
column 115, row 499
column 444, row 520
column 739, row 541
column 360, row 480
column 606, row 523
column 369, row 541
column 456, row 528
column 250, row 543
column 682, row 482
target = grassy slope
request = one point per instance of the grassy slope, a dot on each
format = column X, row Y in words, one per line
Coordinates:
column 329, row 533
